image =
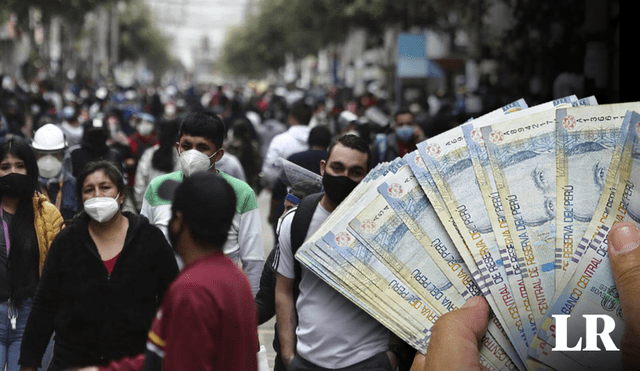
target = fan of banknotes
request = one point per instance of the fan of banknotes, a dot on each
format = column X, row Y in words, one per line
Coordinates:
column 515, row 206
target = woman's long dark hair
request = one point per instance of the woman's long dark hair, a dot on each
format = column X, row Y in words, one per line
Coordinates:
column 24, row 254
column 163, row 159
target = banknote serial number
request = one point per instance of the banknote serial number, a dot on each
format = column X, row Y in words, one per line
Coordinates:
column 528, row 127
column 454, row 141
column 599, row 118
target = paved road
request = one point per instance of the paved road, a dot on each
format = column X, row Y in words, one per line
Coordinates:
column 265, row 331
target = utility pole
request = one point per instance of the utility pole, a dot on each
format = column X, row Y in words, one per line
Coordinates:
column 114, row 37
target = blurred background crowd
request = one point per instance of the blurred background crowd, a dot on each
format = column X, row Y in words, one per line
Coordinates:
column 136, row 127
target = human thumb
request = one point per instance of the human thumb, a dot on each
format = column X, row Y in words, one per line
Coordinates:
column 458, row 334
column 624, row 257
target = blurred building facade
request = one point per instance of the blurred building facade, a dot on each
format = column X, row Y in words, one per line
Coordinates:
column 573, row 52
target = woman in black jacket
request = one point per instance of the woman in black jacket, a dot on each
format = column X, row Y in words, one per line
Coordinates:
column 103, row 279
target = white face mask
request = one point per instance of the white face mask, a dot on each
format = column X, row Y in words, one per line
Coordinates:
column 145, row 128
column 192, row 161
column 49, row 166
column 102, row 209
column 322, row 115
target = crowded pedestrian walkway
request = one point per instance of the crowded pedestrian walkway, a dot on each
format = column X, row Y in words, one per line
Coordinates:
column 155, row 227
column 137, row 137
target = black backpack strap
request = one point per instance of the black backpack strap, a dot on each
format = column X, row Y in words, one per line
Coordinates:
column 299, row 228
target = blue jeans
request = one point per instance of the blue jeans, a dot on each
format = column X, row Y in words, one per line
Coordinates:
column 10, row 339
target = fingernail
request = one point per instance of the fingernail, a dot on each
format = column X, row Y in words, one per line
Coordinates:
column 472, row 302
column 624, row 239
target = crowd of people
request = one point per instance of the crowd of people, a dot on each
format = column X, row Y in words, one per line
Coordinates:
column 132, row 237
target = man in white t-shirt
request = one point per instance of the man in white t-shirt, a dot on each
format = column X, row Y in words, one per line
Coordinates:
column 330, row 332
column 294, row 140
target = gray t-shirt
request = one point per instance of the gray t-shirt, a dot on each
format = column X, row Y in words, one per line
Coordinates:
column 332, row 332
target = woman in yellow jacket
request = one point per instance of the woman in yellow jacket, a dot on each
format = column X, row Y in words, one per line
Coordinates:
column 29, row 225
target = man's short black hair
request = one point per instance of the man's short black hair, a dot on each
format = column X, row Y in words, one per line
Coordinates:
column 208, row 205
column 353, row 142
column 402, row 111
column 319, row 136
column 203, row 124
column 302, row 113
column 319, row 102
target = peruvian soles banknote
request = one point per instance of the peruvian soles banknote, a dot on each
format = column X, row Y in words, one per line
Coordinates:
column 493, row 205
column 449, row 163
column 415, row 161
column 590, row 289
column 521, row 154
column 414, row 320
column 328, row 256
column 493, row 352
column 515, row 206
column 383, row 232
column 585, row 138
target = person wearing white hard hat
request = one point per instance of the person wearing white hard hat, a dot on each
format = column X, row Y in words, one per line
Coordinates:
column 55, row 181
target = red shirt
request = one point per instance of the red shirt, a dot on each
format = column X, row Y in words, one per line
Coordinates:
column 110, row 263
column 405, row 148
column 207, row 321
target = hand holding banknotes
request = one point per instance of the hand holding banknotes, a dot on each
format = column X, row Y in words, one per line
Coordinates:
column 455, row 338
column 624, row 256
column 456, row 335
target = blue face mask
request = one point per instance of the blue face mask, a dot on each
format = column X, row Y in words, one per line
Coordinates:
column 405, row 133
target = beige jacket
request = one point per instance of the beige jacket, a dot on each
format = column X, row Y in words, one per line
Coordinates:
column 48, row 223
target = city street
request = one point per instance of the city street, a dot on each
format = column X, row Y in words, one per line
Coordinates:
column 266, row 330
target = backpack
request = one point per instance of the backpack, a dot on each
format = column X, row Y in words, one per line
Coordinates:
column 299, row 228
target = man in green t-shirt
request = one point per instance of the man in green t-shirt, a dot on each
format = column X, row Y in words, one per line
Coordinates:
column 199, row 147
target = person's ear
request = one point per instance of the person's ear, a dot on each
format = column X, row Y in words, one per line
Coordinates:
column 178, row 147
column 175, row 222
column 121, row 197
column 323, row 165
column 218, row 155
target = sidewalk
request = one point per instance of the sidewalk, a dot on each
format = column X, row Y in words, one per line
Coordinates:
column 265, row 331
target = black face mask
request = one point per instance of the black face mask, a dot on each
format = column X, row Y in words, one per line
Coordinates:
column 337, row 188
column 14, row 185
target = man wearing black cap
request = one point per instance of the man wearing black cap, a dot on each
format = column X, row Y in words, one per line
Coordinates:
column 94, row 147
column 208, row 318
